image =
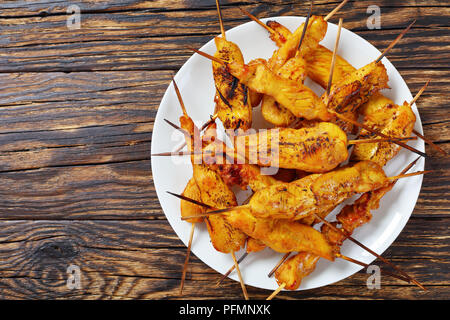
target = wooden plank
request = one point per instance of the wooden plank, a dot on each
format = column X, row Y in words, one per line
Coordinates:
column 35, row 256
column 51, row 7
column 148, row 40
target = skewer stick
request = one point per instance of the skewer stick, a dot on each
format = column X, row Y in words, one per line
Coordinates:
column 281, row 287
column 428, row 141
column 305, row 26
column 431, row 143
column 283, row 259
column 230, row 270
column 220, row 211
column 360, row 141
column 333, row 12
column 333, row 59
column 368, row 250
column 219, row 12
column 183, row 276
column 177, row 91
column 393, row 43
column 406, row 175
column 236, row 265
column 378, row 133
column 365, row 265
column 262, row 24
column 419, row 93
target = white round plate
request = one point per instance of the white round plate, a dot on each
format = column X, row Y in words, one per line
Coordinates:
column 196, row 84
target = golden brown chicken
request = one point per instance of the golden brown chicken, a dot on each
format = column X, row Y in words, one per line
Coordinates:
column 281, row 235
column 314, row 193
column 233, row 107
column 383, row 114
column 288, row 62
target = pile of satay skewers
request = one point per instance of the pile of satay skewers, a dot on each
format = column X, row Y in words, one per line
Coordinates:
column 318, row 170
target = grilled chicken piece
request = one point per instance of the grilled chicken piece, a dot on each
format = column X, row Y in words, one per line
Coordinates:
column 282, row 33
column 293, row 270
column 281, row 235
column 215, row 193
column 383, row 114
column 299, row 99
column 352, row 91
column 232, row 102
column 317, row 149
column 188, row 209
column 254, row 245
column 316, row 193
column 351, row 217
column 289, row 63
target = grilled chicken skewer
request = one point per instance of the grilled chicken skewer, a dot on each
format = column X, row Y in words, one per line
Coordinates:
column 213, row 191
column 236, row 112
column 312, row 194
column 289, row 237
column 387, row 117
column 318, row 148
column 300, row 98
column 318, row 62
column 291, row 273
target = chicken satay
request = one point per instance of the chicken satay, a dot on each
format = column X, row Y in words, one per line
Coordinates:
column 317, row 149
column 303, row 197
column 213, row 191
column 293, row 68
column 236, row 111
column 384, row 115
column 350, row 218
column 224, row 237
column 281, row 235
column 297, row 267
column 188, row 208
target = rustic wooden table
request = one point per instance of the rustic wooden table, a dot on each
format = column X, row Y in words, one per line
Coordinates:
column 76, row 119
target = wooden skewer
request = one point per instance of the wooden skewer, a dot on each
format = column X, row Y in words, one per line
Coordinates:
column 343, row 232
column 431, row 143
column 393, row 43
column 230, row 270
column 333, row 12
column 219, row 12
column 360, row 141
column 333, row 59
column 406, row 175
column 403, row 171
column 376, row 132
column 283, row 259
column 183, row 276
column 305, row 26
column 236, row 265
column 419, row 93
column 262, row 24
column 338, row 255
column 272, row 31
column 281, row 287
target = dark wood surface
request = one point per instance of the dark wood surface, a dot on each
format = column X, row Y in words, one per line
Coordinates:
column 76, row 117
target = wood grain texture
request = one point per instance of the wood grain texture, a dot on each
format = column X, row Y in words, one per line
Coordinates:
column 77, row 109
